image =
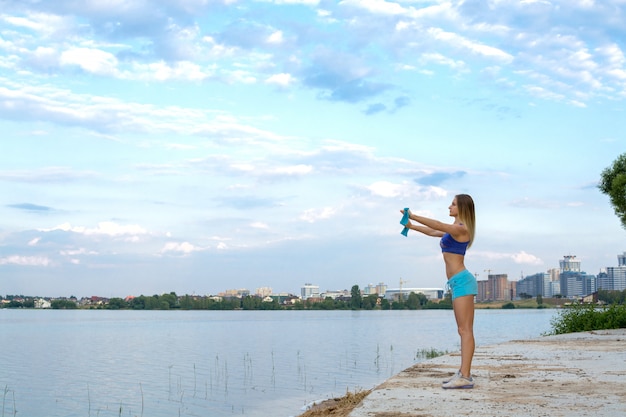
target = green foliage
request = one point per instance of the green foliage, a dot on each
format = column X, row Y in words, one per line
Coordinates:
column 508, row 306
column 356, row 298
column 370, row 302
column 416, row 301
column 587, row 317
column 430, row 353
column 445, row 304
column 613, row 184
column 612, row 296
column 171, row 301
column 117, row 304
column 63, row 304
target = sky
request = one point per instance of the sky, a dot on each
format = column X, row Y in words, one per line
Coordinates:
column 198, row 146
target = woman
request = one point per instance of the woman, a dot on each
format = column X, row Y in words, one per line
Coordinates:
column 455, row 239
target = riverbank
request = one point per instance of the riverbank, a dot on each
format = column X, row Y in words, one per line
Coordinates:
column 576, row 374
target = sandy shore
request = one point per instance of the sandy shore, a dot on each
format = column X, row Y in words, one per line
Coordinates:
column 578, row 374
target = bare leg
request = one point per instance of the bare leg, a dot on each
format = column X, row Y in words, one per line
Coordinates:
column 464, row 315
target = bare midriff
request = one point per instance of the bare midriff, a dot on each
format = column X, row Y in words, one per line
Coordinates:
column 454, row 263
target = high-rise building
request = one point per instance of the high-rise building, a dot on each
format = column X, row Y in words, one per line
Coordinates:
column 569, row 263
column 309, row 290
column 263, row 291
column 496, row 288
column 534, row 285
column 575, row 282
column 616, row 278
column 381, row 288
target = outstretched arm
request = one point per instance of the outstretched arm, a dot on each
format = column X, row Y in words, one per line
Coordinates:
column 427, row 230
column 438, row 228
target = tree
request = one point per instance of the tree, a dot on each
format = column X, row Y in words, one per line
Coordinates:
column 63, row 304
column 356, row 299
column 370, row 302
column 116, row 304
column 613, row 184
column 416, row 301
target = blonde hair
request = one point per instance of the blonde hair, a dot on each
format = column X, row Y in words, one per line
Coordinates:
column 467, row 214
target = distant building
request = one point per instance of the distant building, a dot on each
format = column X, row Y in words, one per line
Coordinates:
column 495, row 288
column 238, row 293
column 614, row 279
column 553, row 288
column 371, row 289
column 575, row 282
column 381, row 288
column 310, row 291
column 569, row 263
column 263, row 291
column 392, row 294
column 42, row 303
column 338, row 294
column 534, row 285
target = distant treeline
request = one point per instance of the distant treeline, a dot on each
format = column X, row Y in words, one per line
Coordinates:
column 251, row 302
column 356, row 301
column 172, row 301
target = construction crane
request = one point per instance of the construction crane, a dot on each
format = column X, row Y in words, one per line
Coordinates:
column 400, row 295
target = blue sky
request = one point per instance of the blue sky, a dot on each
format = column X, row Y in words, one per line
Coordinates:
column 196, row 146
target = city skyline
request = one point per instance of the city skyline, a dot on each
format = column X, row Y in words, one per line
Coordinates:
column 196, row 145
column 366, row 287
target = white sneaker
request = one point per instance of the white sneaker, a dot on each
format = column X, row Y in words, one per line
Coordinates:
column 445, row 381
column 459, row 382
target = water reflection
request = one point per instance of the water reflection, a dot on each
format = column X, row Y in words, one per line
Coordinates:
column 252, row 363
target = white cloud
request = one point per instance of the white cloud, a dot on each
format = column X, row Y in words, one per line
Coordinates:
column 439, row 59
column 281, row 80
column 387, row 189
column 276, row 37
column 476, row 47
column 74, row 252
column 91, row 60
column 34, row 241
column 182, row 247
column 41, row 23
column 520, row 257
column 313, row 215
column 25, row 260
column 292, row 170
column 103, row 228
column 376, row 6
column 526, row 258
column 163, row 71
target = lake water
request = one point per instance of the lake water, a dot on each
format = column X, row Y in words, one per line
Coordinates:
column 56, row 363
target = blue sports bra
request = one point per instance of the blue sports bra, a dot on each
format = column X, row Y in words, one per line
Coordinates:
column 449, row 245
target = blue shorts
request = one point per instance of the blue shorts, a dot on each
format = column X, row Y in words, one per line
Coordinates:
column 463, row 283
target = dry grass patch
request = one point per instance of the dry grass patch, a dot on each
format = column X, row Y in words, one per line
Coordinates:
column 337, row 407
